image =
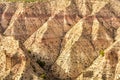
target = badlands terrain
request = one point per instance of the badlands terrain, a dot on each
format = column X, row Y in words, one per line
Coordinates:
column 60, row 40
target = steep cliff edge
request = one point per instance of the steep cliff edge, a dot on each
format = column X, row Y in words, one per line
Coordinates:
column 60, row 40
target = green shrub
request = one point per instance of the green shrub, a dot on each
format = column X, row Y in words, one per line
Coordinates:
column 101, row 52
column 43, row 76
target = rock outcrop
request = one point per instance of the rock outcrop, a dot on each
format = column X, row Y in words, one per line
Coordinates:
column 60, row 40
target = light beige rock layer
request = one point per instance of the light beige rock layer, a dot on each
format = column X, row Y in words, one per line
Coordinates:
column 60, row 40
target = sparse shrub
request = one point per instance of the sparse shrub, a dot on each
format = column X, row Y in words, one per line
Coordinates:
column 29, row 51
column 101, row 52
column 43, row 76
column 41, row 63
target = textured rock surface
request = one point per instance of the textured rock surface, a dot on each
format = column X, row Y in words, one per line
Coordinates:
column 60, row 40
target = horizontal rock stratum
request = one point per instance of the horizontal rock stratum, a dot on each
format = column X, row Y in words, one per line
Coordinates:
column 60, row 40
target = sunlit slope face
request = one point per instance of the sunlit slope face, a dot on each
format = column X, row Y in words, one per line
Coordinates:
column 60, row 40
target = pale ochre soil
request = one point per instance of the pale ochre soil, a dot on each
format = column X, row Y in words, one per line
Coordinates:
column 60, row 40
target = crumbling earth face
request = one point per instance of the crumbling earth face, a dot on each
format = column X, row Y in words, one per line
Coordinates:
column 60, row 40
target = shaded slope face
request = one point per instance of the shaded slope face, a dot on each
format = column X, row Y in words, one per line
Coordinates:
column 2, row 8
column 60, row 40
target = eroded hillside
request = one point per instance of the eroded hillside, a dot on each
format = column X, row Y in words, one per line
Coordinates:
column 60, row 40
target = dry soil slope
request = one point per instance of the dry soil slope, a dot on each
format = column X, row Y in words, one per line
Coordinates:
column 66, row 35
